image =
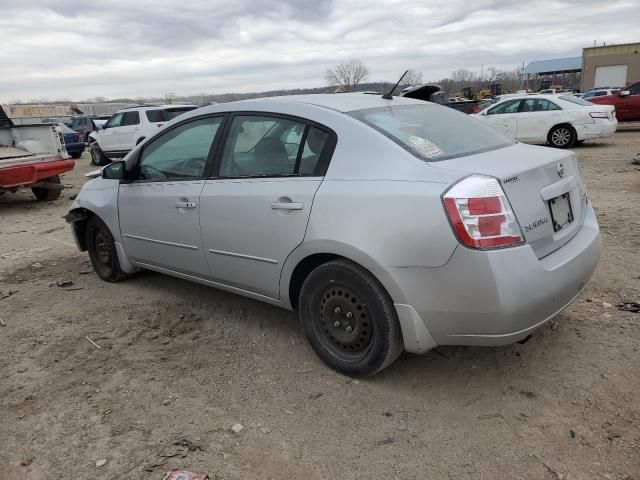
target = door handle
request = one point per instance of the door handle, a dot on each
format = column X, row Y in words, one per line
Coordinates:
column 286, row 206
column 186, row 205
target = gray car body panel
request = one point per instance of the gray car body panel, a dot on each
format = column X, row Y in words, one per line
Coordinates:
column 380, row 206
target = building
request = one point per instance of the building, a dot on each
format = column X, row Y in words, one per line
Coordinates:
column 564, row 72
column 610, row 65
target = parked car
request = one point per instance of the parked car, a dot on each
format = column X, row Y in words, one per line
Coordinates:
column 599, row 93
column 32, row 156
column 626, row 102
column 559, row 120
column 73, row 142
column 127, row 128
column 433, row 93
column 388, row 224
column 85, row 124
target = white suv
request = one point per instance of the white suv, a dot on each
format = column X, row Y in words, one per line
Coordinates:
column 128, row 127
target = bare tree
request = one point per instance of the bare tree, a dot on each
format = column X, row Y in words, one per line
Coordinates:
column 412, row 78
column 462, row 76
column 347, row 76
column 494, row 75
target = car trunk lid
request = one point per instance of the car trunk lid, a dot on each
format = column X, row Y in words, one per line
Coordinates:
column 544, row 187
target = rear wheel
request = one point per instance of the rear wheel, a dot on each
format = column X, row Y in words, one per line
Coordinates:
column 562, row 136
column 102, row 251
column 97, row 155
column 349, row 319
column 48, row 194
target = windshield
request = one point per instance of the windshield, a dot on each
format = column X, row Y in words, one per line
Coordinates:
column 433, row 133
column 579, row 101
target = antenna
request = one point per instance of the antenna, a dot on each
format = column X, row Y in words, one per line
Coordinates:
column 389, row 95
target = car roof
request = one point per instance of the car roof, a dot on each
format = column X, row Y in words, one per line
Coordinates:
column 157, row 107
column 341, row 102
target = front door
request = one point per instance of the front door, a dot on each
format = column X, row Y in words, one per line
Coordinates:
column 129, row 132
column 109, row 139
column 502, row 117
column 159, row 211
column 256, row 211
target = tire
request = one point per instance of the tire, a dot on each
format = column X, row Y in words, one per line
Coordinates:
column 349, row 319
column 102, row 251
column 76, row 154
column 562, row 136
column 97, row 155
column 45, row 194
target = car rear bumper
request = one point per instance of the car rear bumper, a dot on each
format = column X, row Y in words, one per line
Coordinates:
column 492, row 297
column 601, row 128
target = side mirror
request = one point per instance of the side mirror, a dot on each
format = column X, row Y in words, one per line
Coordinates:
column 115, row 171
column 624, row 93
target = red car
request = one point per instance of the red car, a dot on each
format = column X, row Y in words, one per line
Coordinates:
column 626, row 101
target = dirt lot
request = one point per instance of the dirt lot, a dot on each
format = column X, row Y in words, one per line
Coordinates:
column 182, row 361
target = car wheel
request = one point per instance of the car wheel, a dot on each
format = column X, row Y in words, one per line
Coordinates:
column 102, row 251
column 562, row 136
column 48, row 194
column 349, row 319
column 97, row 155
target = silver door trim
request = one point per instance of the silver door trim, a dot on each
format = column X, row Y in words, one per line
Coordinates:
column 160, row 242
column 246, row 257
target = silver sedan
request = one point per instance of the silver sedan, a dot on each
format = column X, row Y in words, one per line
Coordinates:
column 388, row 224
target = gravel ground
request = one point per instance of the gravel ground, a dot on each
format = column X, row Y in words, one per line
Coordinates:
column 179, row 362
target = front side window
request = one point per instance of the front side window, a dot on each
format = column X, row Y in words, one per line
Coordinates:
column 114, row 121
column 433, row 133
column 635, row 90
column 181, row 153
column 261, row 146
column 131, row 118
column 506, row 107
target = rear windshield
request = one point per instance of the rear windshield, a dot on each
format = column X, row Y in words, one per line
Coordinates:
column 166, row 114
column 579, row 101
column 431, row 132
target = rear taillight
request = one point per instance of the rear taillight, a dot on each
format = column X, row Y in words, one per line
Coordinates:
column 480, row 213
column 598, row 114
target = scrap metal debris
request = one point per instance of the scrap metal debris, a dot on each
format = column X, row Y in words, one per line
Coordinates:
column 93, row 343
column 184, row 475
column 7, row 293
column 633, row 307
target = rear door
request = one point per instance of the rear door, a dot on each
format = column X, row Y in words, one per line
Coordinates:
column 535, row 119
column 130, row 130
column 160, row 210
column 255, row 211
column 502, row 117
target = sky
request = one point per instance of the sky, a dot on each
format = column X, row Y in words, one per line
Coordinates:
column 72, row 49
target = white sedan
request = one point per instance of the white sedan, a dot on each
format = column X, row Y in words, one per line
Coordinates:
column 559, row 120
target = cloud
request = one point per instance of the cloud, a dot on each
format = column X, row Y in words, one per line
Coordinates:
column 77, row 49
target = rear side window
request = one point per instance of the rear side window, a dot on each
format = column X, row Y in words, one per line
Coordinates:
column 261, row 146
column 131, row 118
column 155, row 116
column 431, row 132
column 171, row 113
